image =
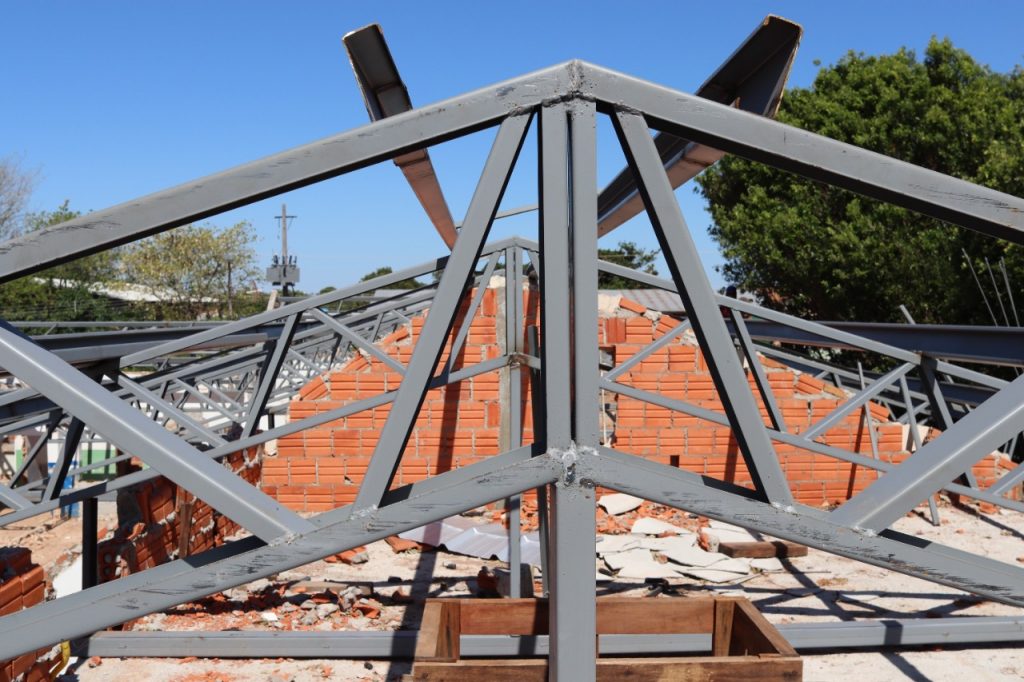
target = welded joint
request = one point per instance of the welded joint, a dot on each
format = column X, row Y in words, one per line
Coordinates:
column 570, row 459
column 787, row 508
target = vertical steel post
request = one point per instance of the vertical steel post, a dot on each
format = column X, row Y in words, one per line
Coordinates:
column 90, row 527
column 569, row 194
column 513, row 376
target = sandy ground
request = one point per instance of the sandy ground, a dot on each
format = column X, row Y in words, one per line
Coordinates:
column 819, row 587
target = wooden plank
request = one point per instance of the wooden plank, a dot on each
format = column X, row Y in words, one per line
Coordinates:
column 691, row 669
column 438, row 638
column 721, row 636
column 773, row 641
column 765, row 549
column 615, row 615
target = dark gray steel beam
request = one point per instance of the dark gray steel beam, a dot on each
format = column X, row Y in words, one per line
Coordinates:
column 808, row 638
column 132, row 432
column 386, row 95
column 963, row 343
column 752, row 78
column 819, row 158
column 269, row 374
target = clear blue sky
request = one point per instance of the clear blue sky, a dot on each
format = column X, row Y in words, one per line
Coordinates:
column 114, row 100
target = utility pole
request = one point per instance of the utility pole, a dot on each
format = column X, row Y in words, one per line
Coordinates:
column 231, row 308
column 284, row 269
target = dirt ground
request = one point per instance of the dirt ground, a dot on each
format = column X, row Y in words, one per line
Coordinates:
column 816, row 588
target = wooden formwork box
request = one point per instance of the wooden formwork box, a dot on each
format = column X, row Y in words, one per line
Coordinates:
column 744, row 646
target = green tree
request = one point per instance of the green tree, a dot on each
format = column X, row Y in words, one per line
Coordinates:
column 818, row 251
column 68, row 292
column 387, row 270
column 626, row 254
column 187, row 269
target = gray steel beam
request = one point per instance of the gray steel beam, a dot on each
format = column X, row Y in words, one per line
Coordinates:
column 938, row 462
column 752, row 78
column 269, row 374
column 702, row 308
column 386, row 95
column 357, row 340
column 808, row 638
column 273, row 175
column 456, row 277
column 169, row 410
column 907, row 554
column 962, row 343
column 132, row 432
column 651, row 348
column 757, row 369
column 814, row 156
column 859, row 400
column 243, row 561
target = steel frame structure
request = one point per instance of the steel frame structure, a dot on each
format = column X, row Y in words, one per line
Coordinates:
column 240, row 369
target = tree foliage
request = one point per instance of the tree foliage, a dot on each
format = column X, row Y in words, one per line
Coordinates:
column 16, row 185
column 387, row 270
column 626, row 254
column 65, row 292
column 818, row 251
column 187, row 268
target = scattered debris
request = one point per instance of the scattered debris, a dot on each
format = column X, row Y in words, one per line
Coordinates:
column 619, row 503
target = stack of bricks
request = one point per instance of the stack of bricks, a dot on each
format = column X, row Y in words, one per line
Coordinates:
column 321, row 468
column 23, row 585
column 153, row 515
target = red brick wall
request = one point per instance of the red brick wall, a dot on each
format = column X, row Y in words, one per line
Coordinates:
column 23, row 584
column 321, row 468
column 151, row 521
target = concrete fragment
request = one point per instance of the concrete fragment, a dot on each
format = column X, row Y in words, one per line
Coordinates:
column 693, row 556
column 269, row 617
column 259, row 585
column 619, row 503
column 648, row 526
column 617, row 543
column 619, row 560
column 671, row 542
column 642, row 569
column 325, row 610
